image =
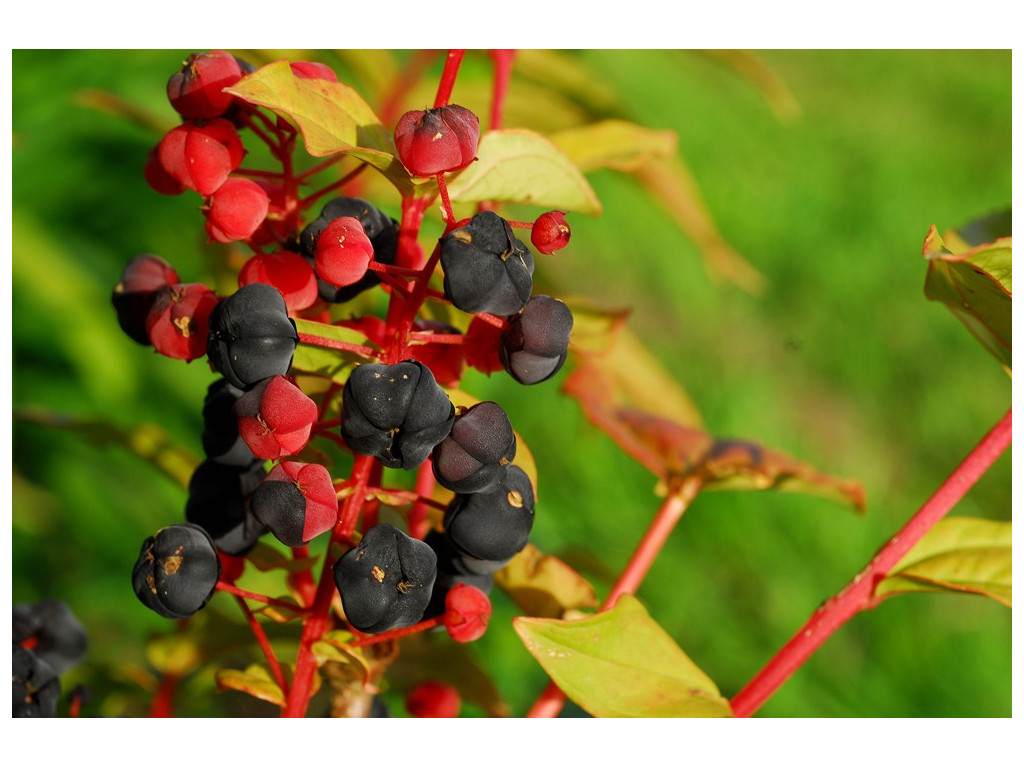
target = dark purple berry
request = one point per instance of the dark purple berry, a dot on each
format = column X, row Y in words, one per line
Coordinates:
column 494, row 525
column 57, row 636
column 385, row 582
column 486, row 269
column 251, row 336
column 534, row 346
column 177, row 571
column 35, row 687
column 218, row 502
column 396, row 413
column 135, row 292
column 221, row 441
column 475, row 455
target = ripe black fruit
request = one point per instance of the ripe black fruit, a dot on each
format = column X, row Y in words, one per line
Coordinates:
column 35, row 687
column 251, row 336
column 217, row 496
column 221, row 441
column 534, row 346
column 494, row 525
column 58, row 637
column 396, row 413
column 486, row 269
column 177, row 571
column 475, row 455
column 385, row 582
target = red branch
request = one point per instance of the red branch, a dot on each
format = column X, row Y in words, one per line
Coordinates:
column 451, row 69
column 344, row 346
column 859, row 594
column 264, row 643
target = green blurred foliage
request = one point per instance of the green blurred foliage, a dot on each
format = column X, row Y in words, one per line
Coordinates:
column 840, row 361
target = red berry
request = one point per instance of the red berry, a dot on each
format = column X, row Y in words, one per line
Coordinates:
column 313, row 70
column 160, row 180
column 275, row 418
column 467, row 611
column 197, row 90
column 482, row 343
column 178, row 322
column 343, row 252
column 445, row 361
column 201, row 155
column 550, row 232
column 286, row 271
column 236, row 210
column 297, row 502
column 433, row 699
column 437, row 140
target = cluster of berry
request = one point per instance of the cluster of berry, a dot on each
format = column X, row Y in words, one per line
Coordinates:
column 393, row 410
column 47, row 640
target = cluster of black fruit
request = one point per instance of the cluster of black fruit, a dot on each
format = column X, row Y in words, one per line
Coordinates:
column 47, row 640
column 395, row 413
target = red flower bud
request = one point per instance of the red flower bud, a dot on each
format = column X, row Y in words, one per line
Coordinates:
column 437, row 140
column 550, row 232
column 275, row 418
column 467, row 611
column 433, row 699
column 343, row 252
column 236, row 210
column 286, row 271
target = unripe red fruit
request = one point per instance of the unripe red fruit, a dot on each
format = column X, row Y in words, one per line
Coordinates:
column 158, row 178
column 197, row 90
column 467, row 612
column 343, row 252
column 275, row 418
column 550, row 232
column 178, row 322
column 433, row 699
column 297, row 502
column 286, row 271
column 313, row 70
column 135, row 293
column 201, row 155
column 236, row 210
column 437, row 140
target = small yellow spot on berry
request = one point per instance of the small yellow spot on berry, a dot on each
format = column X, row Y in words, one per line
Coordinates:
column 378, row 573
column 515, row 498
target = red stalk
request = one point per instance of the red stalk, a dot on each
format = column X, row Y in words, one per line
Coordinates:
column 451, row 69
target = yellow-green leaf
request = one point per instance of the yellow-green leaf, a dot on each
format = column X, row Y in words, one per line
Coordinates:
column 332, row 118
column 616, row 144
column 621, row 663
column 175, row 654
column 255, row 680
column 977, row 287
column 520, row 166
column 266, row 558
column 544, row 586
column 960, row 554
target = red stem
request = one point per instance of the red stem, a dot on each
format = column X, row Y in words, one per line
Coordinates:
column 859, row 594
column 394, row 634
column 551, row 700
column 424, row 490
column 451, row 69
column 320, row 341
column 163, row 701
column 223, row 586
column 264, row 643
column 502, row 74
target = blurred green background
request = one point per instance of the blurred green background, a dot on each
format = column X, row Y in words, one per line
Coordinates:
column 839, row 361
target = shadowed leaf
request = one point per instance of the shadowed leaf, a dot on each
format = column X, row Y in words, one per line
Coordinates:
column 544, row 586
column 266, row 558
column 621, row 663
column 280, row 613
column 335, row 647
column 520, row 166
column 960, row 554
column 674, row 450
column 594, row 329
column 332, row 117
column 975, row 284
column 616, row 144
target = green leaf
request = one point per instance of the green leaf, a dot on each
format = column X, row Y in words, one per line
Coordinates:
column 175, row 654
column 977, row 287
column 615, row 144
column 255, row 680
column 960, row 554
column 334, row 364
column 544, row 586
column 520, row 166
column 332, row 117
column 621, row 663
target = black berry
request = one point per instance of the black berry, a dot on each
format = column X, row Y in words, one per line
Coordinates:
column 475, row 455
column 58, row 637
column 35, row 687
column 534, row 346
column 221, row 441
column 486, row 269
column 396, row 413
column 385, row 582
column 177, row 571
column 494, row 525
column 218, row 502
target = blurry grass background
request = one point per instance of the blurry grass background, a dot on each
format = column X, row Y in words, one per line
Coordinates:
column 840, row 361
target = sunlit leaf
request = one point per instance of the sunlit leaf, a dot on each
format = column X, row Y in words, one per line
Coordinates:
column 335, row 646
column 977, row 286
column 544, row 586
column 257, row 681
column 616, row 144
column 520, row 166
column 614, row 398
column 147, row 441
column 621, row 663
column 959, row 554
column 332, row 117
